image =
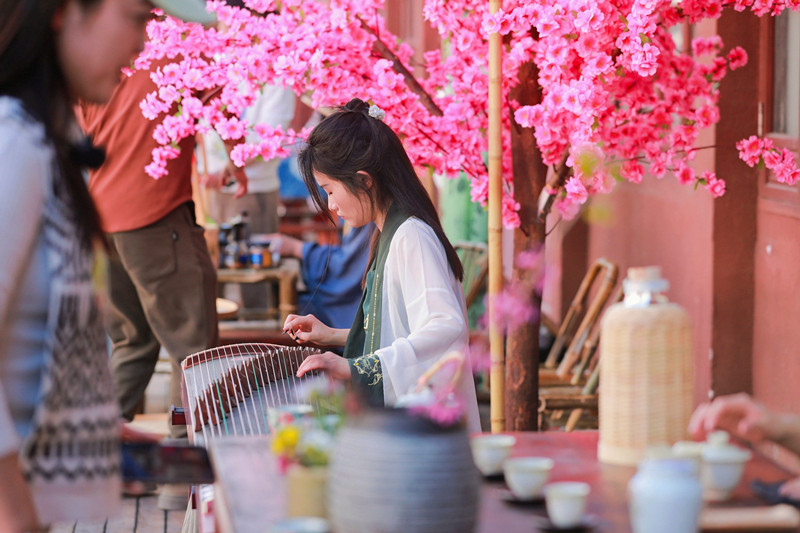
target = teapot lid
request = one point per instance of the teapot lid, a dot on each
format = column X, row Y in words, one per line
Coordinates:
column 674, row 466
column 726, row 453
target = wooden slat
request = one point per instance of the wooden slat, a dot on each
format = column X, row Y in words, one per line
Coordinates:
column 124, row 522
column 89, row 527
column 62, row 528
column 567, row 402
column 137, row 515
column 151, row 519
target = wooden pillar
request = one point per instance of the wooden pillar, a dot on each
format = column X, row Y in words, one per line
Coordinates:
column 735, row 216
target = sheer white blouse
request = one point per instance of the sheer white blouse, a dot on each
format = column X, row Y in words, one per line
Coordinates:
column 423, row 315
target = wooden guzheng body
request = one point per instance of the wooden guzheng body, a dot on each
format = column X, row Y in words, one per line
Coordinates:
column 227, row 393
column 229, row 389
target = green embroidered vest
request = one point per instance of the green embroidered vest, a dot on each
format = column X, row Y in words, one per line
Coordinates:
column 365, row 334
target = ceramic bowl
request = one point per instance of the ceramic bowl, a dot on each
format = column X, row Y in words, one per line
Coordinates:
column 490, row 451
column 721, row 470
column 526, row 476
column 566, row 502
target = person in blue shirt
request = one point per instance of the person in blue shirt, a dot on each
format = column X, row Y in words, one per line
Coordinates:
column 332, row 274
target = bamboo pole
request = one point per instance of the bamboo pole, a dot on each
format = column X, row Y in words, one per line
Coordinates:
column 496, row 349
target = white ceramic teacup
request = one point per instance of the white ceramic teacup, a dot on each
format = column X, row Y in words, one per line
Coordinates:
column 566, row 502
column 526, row 476
column 721, row 470
column 489, row 451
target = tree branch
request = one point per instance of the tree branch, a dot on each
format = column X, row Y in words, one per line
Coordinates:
column 562, row 171
column 383, row 50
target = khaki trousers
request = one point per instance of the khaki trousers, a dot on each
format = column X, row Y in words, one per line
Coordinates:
column 162, row 292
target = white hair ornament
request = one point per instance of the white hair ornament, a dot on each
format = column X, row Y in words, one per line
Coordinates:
column 377, row 112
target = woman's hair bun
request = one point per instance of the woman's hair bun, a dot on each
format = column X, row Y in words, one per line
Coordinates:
column 356, row 104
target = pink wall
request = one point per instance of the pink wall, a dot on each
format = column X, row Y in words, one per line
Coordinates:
column 777, row 308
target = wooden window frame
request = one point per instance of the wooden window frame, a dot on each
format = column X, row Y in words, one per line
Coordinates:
column 773, row 195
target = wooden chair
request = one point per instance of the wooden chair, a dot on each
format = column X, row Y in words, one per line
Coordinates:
column 567, row 387
column 579, row 321
column 555, row 401
column 475, row 260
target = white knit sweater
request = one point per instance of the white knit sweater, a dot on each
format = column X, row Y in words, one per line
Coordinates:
column 70, row 451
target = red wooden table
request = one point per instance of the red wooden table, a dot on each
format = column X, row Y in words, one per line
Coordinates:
column 575, row 456
column 252, row 493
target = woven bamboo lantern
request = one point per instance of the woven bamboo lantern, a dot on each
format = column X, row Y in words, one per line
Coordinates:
column 646, row 370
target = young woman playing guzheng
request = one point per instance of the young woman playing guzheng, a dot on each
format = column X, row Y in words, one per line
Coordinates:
column 412, row 311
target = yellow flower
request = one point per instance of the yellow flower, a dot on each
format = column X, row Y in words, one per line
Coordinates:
column 285, row 440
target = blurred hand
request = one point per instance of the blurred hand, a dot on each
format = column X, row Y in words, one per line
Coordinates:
column 335, row 366
column 131, row 434
column 288, row 246
column 239, row 175
column 738, row 414
column 213, row 181
column 17, row 509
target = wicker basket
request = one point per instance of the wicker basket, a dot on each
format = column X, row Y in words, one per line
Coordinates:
column 646, row 371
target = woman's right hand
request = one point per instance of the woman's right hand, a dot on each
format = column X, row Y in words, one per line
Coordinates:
column 308, row 328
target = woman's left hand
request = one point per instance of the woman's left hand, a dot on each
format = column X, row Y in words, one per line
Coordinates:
column 334, row 365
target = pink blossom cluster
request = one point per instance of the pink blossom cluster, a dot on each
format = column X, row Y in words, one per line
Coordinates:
column 618, row 97
column 781, row 162
column 514, row 305
column 445, row 411
column 325, row 52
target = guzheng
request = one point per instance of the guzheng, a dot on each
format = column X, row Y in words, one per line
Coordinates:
column 230, row 388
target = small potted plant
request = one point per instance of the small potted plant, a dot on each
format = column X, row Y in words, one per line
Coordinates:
column 302, row 446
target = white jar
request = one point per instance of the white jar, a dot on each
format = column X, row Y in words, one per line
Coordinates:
column 665, row 496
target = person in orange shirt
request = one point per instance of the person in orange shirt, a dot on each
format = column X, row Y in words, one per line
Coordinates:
column 162, row 282
column 161, row 279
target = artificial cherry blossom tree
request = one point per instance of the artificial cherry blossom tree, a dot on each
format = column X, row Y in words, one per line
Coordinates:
column 618, row 99
column 615, row 98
